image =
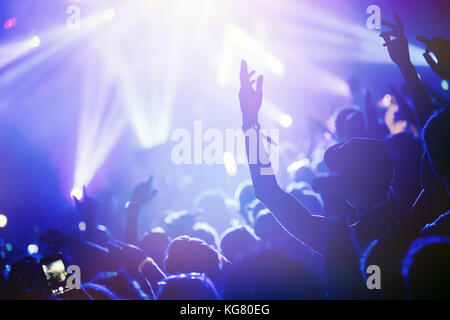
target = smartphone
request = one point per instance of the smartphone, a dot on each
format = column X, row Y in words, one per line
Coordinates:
column 55, row 272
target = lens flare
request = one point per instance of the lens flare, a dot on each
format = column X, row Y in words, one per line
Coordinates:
column 286, row 120
column 3, row 220
column 32, row 248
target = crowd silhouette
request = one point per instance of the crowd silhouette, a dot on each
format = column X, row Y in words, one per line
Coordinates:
column 380, row 202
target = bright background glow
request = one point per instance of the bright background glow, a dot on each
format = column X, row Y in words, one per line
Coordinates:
column 96, row 107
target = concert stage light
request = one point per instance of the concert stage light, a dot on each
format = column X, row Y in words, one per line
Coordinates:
column 3, row 220
column 82, row 226
column 35, row 42
column 76, row 193
column 32, row 248
column 286, row 120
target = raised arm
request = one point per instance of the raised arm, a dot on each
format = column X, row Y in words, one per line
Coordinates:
column 399, row 53
column 142, row 194
column 291, row 214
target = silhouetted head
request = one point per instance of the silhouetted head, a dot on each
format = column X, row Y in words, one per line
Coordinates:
column 186, row 254
column 154, row 244
column 269, row 230
column 304, row 174
column 236, row 242
column 119, row 282
column 101, row 235
column 206, row 232
column 271, row 275
column 365, row 171
column 179, row 223
column 254, row 208
column 190, row 286
column 303, row 193
column 349, row 123
column 406, row 153
column 403, row 144
column 436, row 137
column 426, row 268
column 213, row 206
column 245, row 195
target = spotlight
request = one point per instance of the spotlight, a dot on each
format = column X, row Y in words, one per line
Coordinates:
column 76, row 193
column 3, row 220
column 35, row 42
column 285, row 120
column 444, row 85
column 33, row 248
column 82, row 226
column 9, row 247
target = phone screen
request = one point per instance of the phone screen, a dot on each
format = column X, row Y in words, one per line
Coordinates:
column 55, row 272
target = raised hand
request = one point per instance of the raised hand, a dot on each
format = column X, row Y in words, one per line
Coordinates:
column 249, row 98
column 441, row 49
column 398, row 45
column 87, row 207
column 143, row 193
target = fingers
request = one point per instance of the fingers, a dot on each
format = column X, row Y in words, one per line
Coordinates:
column 388, row 34
column 431, row 62
column 244, row 72
column 399, row 22
column 387, row 37
column 389, row 24
column 150, row 180
column 424, row 40
column 259, row 84
column 244, row 68
column 397, row 27
column 245, row 75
